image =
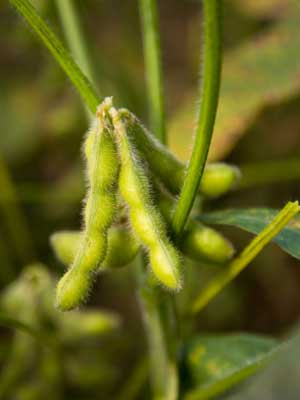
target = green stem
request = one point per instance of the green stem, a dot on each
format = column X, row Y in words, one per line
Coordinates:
column 15, row 220
column 269, row 172
column 249, row 253
column 75, row 37
column 162, row 347
column 61, row 55
column 207, row 114
column 152, row 55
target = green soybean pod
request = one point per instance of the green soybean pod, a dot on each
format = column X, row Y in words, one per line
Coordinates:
column 99, row 213
column 122, row 246
column 65, row 245
column 199, row 242
column 218, row 178
column 145, row 218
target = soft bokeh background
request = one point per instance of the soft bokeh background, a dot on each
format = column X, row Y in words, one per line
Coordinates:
column 42, row 125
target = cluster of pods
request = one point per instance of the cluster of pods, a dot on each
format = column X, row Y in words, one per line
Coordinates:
column 132, row 180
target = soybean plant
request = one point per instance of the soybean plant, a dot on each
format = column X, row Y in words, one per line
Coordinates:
column 126, row 163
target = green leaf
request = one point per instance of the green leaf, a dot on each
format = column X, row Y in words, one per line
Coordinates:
column 280, row 380
column 214, row 364
column 254, row 220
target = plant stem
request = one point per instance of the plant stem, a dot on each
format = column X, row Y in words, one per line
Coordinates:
column 249, row 253
column 75, row 38
column 162, row 347
column 15, row 220
column 152, row 56
column 61, row 55
column 207, row 113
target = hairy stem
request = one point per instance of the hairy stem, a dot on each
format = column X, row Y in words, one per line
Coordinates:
column 249, row 253
column 75, row 38
column 152, row 55
column 209, row 102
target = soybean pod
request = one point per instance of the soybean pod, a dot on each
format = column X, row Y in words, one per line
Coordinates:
column 145, row 218
column 99, row 212
column 65, row 244
column 199, row 242
column 122, row 246
column 218, row 178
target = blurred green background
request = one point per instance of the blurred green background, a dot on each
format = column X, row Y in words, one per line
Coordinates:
column 42, row 184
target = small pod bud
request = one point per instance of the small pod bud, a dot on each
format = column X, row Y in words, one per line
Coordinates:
column 218, row 178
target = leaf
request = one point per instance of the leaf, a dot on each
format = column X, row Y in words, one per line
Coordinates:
column 260, row 72
column 280, row 380
column 254, row 220
column 216, row 363
column 239, row 263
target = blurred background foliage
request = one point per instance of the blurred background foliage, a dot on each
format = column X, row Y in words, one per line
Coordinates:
column 42, row 184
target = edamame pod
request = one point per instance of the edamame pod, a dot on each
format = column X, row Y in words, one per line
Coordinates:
column 102, row 175
column 65, row 245
column 199, row 242
column 122, row 246
column 218, row 178
column 145, row 218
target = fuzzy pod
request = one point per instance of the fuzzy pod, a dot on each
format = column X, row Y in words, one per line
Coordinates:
column 145, row 218
column 199, row 242
column 122, row 246
column 218, row 178
column 65, row 245
column 72, row 289
column 100, row 206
